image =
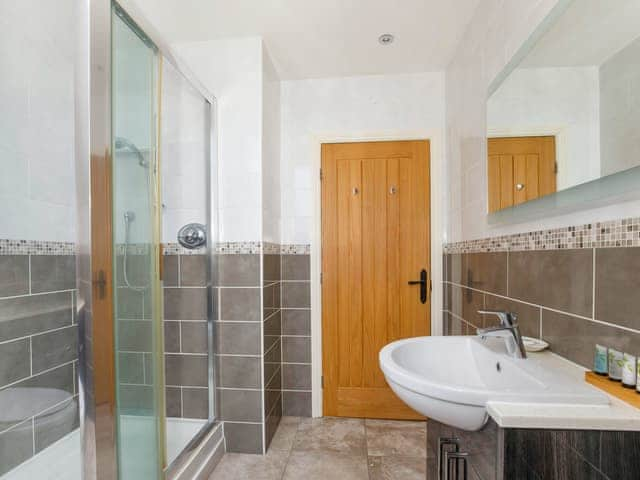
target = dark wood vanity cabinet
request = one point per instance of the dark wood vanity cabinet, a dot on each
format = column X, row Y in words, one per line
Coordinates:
column 495, row 453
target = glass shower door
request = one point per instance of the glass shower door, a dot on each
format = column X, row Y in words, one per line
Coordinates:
column 137, row 297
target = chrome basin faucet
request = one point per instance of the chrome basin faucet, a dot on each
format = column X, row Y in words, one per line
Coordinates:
column 508, row 330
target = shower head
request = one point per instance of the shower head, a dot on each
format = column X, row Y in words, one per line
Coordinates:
column 122, row 143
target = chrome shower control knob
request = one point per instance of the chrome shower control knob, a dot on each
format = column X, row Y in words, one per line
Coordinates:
column 192, row 235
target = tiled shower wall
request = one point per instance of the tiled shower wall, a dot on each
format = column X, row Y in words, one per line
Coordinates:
column 296, row 333
column 38, row 349
column 185, row 335
column 239, row 346
column 571, row 297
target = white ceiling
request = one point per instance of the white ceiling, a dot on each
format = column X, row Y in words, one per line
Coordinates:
column 587, row 34
column 324, row 38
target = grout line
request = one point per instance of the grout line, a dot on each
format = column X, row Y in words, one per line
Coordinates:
column 30, row 275
column 36, row 334
column 31, row 356
column 582, row 317
column 34, row 294
column 37, row 374
column 33, row 434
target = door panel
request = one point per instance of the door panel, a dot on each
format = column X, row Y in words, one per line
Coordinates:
column 520, row 169
column 375, row 235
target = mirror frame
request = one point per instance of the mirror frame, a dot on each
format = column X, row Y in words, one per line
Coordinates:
column 616, row 188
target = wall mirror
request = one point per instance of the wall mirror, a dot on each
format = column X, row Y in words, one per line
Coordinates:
column 563, row 120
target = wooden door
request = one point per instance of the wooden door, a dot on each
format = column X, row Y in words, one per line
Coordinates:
column 375, row 239
column 520, row 169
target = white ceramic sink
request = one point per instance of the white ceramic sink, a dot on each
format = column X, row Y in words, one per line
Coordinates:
column 451, row 379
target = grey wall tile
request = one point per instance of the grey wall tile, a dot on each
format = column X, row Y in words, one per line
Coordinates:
column 559, row 279
column 269, row 341
column 53, row 272
column 186, row 370
column 195, row 402
column 272, row 421
column 455, row 326
column 274, row 355
column 194, row 270
column 485, row 271
column 271, row 268
column 239, row 270
column 194, row 337
column 296, row 295
column 129, row 304
column 528, row 315
column 296, row 377
column 138, row 270
column 271, row 371
column 296, row 349
column 241, row 304
column 239, row 372
column 171, row 336
column 170, row 270
column 136, row 399
column 185, row 303
column 296, row 404
column 135, row 335
column 238, row 338
column 173, row 401
column 54, row 424
column 14, row 275
column 54, row 348
column 33, row 314
column 575, row 338
column 617, row 286
column 16, row 446
column 15, row 361
column 241, row 405
column 454, row 268
column 270, row 299
column 243, row 437
column 61, row 378
column 296, row 267
column 465, row 303
column 131, row 367
column 273, row 324
column 296, row 322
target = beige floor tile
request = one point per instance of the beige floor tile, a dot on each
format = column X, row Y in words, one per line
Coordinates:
column 239, row 466
column 286, row 434
column 341, row 435
column 396, row 438
column 397, row 468
column 307, row 465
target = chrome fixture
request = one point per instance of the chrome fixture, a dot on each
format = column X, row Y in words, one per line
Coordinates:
column 122, row 143
column 192, row 235
column 129, row 217
column 386, row 39
column 508, row 330
column 449, row 459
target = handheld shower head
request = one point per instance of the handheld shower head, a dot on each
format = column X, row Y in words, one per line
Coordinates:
column 122, row 143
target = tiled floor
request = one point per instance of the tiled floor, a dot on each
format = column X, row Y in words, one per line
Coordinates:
column 334, row 448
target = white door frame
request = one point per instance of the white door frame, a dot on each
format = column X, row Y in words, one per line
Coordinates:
column 437, row 235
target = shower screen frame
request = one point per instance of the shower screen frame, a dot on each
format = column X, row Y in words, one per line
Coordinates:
column 93, row 158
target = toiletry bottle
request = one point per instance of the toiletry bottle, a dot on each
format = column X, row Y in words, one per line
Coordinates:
column 615, row 364
column 600, row 360
column 628, row 371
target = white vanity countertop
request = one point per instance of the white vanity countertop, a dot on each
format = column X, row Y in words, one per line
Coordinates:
column 618, row 415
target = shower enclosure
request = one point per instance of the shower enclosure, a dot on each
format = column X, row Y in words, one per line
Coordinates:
column 106, row 338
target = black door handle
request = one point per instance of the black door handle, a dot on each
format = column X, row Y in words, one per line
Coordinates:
column 423, row 285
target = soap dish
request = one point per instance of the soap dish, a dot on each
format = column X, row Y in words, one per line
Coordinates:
column 534, row 344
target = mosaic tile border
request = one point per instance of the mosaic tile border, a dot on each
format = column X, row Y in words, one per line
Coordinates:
column 296, row 249
column 614, row 233
column 36, row 247
column 177, row 249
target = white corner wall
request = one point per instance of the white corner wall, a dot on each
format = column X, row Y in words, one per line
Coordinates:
column 231, row 69
column 271, row 215
column 37, row 181
column 351, row 108
column 496, row 32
